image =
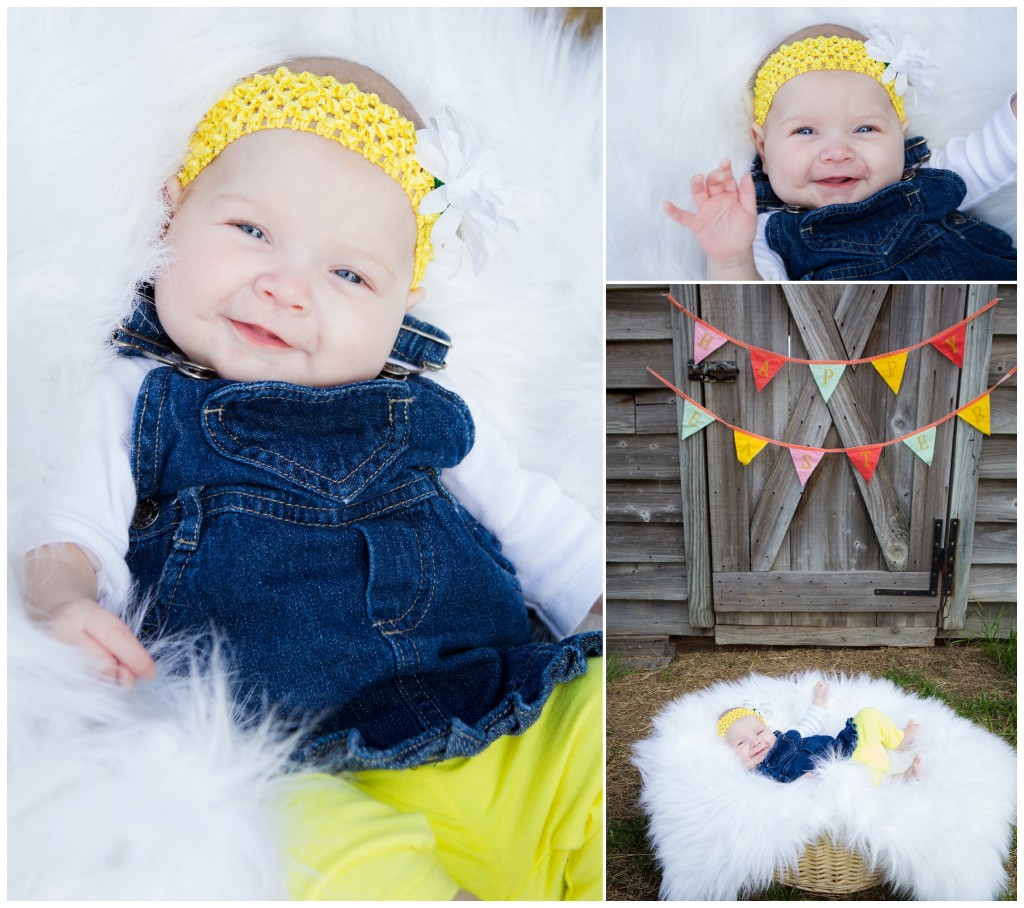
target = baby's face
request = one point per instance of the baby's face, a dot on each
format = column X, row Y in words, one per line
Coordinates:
column 750, row 740
column 829, row 138
column 291, row 260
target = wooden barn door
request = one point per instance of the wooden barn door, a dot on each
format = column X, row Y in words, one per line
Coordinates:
column 840, row 561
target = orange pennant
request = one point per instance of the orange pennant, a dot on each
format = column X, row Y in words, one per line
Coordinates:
column 951, row 343
column 865, row 460
column 891, row 369
column 979, row 415
column 747, row 446
column 765, row 365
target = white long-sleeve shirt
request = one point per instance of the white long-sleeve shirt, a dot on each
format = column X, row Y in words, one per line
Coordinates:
column 986, row 160
column 556, row 545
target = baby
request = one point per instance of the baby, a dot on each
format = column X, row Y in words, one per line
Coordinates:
column 268, row 464
column 870, row 738
column 837, row 190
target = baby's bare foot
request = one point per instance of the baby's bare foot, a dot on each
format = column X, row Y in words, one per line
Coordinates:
column 908, row 735
column 915, row 769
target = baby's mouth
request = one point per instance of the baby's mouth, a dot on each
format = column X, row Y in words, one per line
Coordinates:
column 836, row 182
column 258, row 335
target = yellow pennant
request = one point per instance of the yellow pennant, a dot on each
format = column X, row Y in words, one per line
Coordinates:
column 891, row 369
column 979, row 415
column 747, row 446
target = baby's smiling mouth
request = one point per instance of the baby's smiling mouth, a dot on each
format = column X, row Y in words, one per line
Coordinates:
column 259, row 336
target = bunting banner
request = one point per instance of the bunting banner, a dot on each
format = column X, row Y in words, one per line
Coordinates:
column 976, row 413
column 694, row 419
column 890, row 366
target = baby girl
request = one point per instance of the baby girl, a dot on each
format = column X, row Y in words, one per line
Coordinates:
column 838, row 191
column 870, row 738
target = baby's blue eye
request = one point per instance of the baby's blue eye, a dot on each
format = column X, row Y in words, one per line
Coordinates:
column 865, row 129
column 804, row 131
column 252, row 231
column 349, row 276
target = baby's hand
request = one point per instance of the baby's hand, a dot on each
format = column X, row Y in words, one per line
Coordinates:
column 104, row 637
column 821, row 694
column 725, row 221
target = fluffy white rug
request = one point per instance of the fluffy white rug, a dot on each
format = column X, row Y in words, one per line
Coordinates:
column 156, row 793
column 719, row 831
column 677, row 104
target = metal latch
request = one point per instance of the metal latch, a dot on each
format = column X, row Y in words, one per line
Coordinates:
column 713, row 371
column 943, row 563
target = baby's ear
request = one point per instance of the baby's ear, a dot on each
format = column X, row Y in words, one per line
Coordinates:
column 415, row 298
column 757, row 134
column 905, row 125
column 173, row 192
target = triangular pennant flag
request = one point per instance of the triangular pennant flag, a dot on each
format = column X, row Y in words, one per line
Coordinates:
column 951, row 343
column 747, row 446
column 805, row 460
column 694, row 419
column 827, row 376
column 705, row 341
column 891, row 369
column 923, row 444
column 765, row 365
column 979, row 415
column 865, row 460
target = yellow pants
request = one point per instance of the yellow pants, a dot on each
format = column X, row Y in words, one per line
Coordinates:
column 522, row 820
column 877, row 734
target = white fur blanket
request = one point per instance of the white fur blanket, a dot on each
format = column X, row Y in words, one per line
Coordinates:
column 677, row 104
column 720, row 831
column 155, row 793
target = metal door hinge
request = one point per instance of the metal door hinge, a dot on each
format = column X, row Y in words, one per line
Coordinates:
column 943, row 563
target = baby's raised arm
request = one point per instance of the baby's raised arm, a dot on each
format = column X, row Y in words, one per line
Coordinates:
column 62, row 592
column 724, row 224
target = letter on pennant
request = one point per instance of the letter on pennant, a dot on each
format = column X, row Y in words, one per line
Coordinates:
column 765, row 365
column 805, row 460
column 951, row 344
column 891, row 369
column 923, row 444
column 979, row 415
column 865, row 460
column 705, row 341
column 694, row 419
column 747, row 446
column 827, row 376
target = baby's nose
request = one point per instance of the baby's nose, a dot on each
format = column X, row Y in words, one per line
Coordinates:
column 837, row 150
column 285, row 287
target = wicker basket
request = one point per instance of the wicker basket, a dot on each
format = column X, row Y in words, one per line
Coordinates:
column 828, row 868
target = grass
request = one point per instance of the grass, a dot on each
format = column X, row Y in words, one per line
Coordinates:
column 976, row 677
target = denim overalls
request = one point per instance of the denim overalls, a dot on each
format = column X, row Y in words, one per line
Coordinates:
column 792, row 755
column 308, row 527
column 908, row 231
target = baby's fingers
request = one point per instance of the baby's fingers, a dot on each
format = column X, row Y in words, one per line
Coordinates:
column 115, row 637
column 679, row 215
column 721, row 180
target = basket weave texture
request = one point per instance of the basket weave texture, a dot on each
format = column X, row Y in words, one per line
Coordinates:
column 830, row 868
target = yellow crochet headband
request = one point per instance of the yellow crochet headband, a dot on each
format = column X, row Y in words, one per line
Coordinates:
column 732, row 716
column 323, row 106
column 812, row 55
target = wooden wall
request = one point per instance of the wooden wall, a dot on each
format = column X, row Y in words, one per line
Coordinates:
column 993, row 585
column 647, row 608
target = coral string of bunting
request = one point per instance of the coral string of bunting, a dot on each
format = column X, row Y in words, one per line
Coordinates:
column 827, row 372
column 977, row 413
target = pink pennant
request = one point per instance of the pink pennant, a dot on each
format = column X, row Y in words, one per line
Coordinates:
column 765, row 365
column 951, row 343
column 705, row 341
column 805, row 460
column 865, row 460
